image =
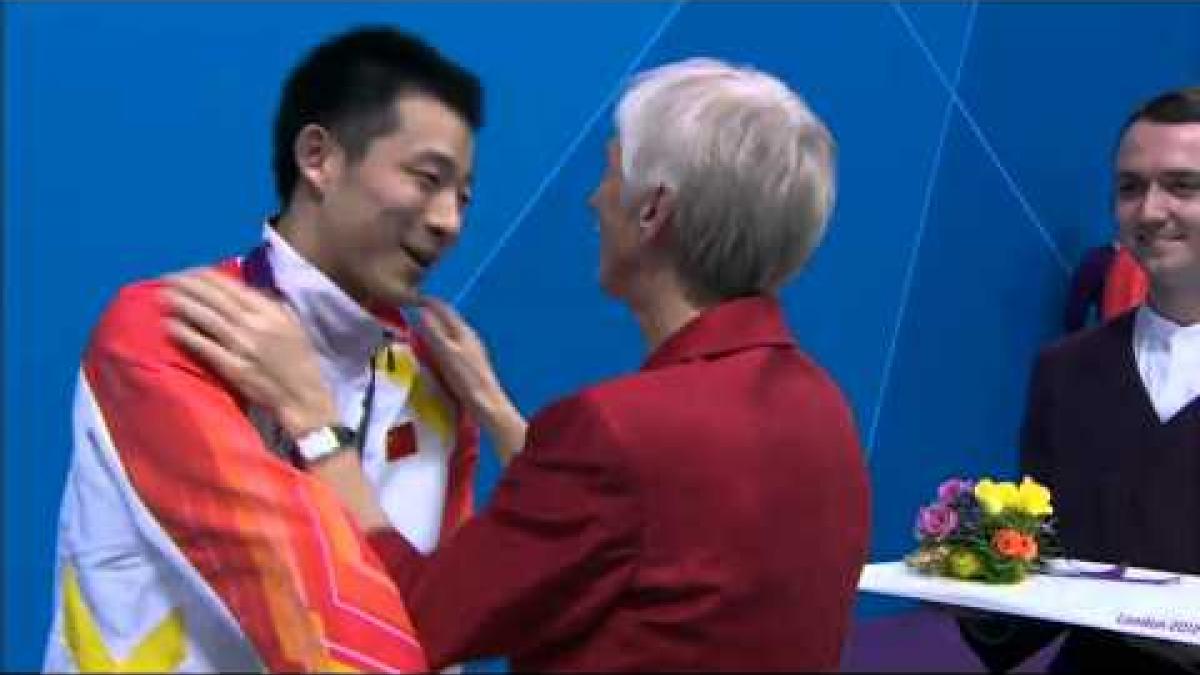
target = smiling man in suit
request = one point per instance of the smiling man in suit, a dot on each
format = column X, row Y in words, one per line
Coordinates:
column 1113, row 424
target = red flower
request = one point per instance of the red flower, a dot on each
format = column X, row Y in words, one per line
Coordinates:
column 1009, row 543
column 1029, row 548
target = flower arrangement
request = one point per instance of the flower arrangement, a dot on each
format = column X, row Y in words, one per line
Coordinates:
column 994, row 532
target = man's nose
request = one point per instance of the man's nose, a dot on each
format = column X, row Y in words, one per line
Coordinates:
column 445, row 215
column 1155, row 206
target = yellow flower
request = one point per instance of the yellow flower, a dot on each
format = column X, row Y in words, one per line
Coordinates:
column 1033, row 498
column 995, row 497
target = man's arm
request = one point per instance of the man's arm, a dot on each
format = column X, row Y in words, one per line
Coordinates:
column 274, row 544
column 1000, row 641
column 1037, row 451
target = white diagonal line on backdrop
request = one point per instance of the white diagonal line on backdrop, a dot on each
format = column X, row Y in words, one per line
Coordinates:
column 567, row 153
column 951, row 89
column 910, row 272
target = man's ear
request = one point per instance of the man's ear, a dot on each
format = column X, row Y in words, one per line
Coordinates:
column 657, row 212
column 318, row 157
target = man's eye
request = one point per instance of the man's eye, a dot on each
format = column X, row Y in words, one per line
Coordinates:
column 1130, row 188
column 1184, row 187
column 428, row 179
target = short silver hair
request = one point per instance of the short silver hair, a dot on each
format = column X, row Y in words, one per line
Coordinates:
column 751, row 167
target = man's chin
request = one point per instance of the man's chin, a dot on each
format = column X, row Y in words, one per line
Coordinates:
column 400, row 295
column 611, row 287
column 1153, row 257
column 1172, row 272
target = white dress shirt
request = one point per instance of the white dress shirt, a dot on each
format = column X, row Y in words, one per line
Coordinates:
column 1168, row 359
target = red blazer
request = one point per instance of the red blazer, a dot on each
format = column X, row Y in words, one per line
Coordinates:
column 708, row 512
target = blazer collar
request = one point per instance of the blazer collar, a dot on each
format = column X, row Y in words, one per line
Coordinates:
column 733, row 325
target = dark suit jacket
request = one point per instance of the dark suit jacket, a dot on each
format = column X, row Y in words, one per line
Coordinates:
column 1126, row 486
column 708, row 512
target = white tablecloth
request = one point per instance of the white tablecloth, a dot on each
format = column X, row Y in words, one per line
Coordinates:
column 1166, row 612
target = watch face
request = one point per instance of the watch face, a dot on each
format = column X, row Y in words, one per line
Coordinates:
column 325, row 441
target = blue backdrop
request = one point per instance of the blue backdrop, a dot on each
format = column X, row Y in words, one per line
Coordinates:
column 974, row 140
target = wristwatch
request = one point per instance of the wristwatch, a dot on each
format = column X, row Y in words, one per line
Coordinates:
column 325, row 441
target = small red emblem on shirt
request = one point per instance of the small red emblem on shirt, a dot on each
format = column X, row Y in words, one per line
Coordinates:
column 401, row 442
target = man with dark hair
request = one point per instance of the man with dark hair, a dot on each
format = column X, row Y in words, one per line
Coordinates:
column 191, row 537
column 349, row 86
column 1113, row 423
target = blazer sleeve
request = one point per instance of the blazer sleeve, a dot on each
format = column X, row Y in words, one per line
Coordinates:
column 274, row 544
column 551, row 552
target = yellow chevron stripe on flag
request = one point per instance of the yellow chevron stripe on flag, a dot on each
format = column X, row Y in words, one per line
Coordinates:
column 427, row 405
column 162, row 650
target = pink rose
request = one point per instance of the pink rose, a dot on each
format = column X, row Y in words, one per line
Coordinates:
column 937, row 521
column 952, row 489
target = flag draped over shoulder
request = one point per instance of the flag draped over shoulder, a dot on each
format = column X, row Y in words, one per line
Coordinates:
column 185, row 545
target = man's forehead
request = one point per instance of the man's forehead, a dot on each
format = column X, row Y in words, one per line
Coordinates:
column 425, row 114
column 427, row 130
column 1150, row 146
column 1146, row 136
column 417, row 103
